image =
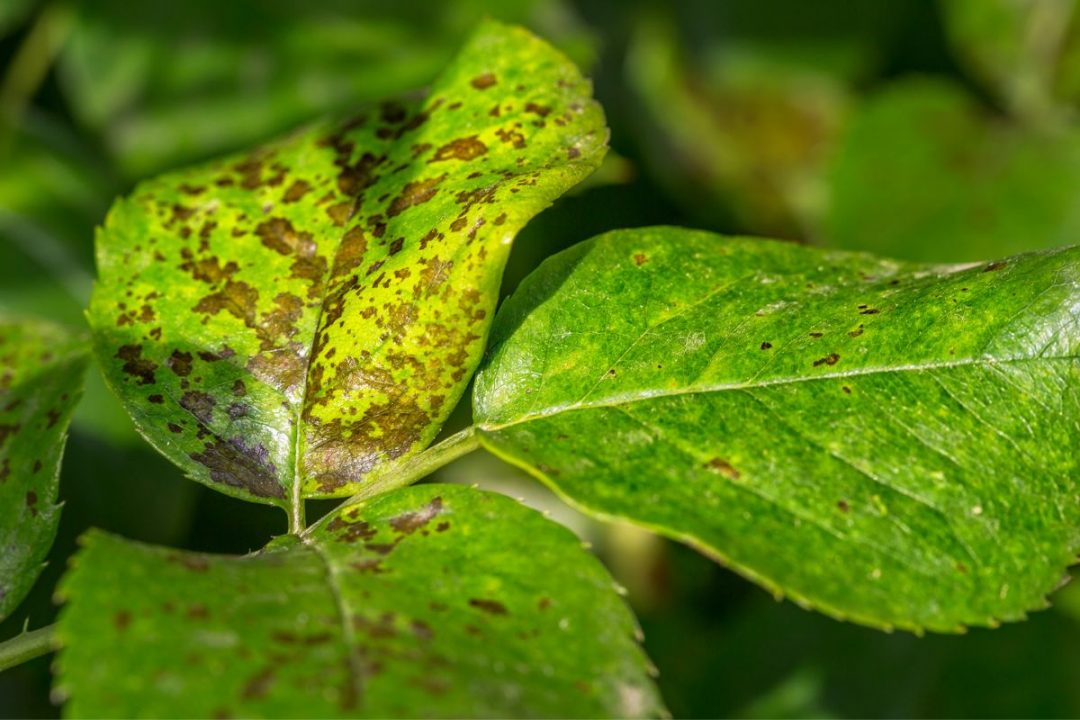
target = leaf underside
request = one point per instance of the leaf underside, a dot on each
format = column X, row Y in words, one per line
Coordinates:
column 428, row 601
column 281, row 322
column 888, row 442
column 41, row 376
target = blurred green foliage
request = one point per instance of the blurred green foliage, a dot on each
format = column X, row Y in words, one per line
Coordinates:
column 938, row 130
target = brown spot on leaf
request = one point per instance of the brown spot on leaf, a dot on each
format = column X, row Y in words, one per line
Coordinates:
column 466, row 148
column 995, row 266
column 723, row 467
column 180, row 363
column 199, row 404
column 535, row 109
column 237, row 464
column 410, row 522
column 259, row 684
column 511, row 137
column 830, row 359
column 414, row 193
column 493, row 607
column 351, row 531
column 135, row 365
column 296, row 191
column 237, row 298
column 484, row 81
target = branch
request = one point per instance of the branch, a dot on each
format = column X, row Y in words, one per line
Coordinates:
column 27, row 646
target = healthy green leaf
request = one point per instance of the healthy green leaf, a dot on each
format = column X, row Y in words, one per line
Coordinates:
column 282, row 322
column 922, row 173
column 430, row 601
column 41, row 375
column 889, row 442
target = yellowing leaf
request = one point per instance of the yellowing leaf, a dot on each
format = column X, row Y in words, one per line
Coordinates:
column 281, row 322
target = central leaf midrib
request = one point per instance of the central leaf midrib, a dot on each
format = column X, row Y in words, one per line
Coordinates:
column 356, row 675
column 627, row 399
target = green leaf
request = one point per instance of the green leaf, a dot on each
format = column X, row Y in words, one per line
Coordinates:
column 12, row 12
column 41, row 375
column 745, row 142
column 434, row 600
column 53, row 192
column 282, row 322
column 1027, row 51
column 888, row 442
column 924, row 174
column 166, row 84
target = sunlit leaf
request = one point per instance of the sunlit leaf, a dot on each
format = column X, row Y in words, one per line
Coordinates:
column 432, row 601
column 888, row 442
column 281, row 322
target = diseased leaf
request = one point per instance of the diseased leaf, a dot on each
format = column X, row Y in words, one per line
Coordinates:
column 41, row 376
column 431, row 601
column 281, row 322
column 888, row 442
column 922, row 173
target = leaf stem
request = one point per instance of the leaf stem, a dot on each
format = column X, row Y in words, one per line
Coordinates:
column 407, row 472
column 296, row 512
column 27, row 646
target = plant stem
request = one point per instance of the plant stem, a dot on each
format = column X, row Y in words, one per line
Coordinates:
column 26, row 646
column 409, row 471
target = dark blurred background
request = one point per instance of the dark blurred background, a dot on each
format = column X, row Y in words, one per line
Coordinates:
column 937, row 131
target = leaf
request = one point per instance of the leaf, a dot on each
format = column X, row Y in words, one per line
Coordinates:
column 434, row 600
column 1027, row 52
column 744, row 143
column 922, row 173
column 888, row 442
column 12, row 13
column 41, row 375
column 165, row 84
column 280, row 323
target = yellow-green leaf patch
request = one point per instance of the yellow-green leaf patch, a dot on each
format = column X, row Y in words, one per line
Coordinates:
column 282, row 321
